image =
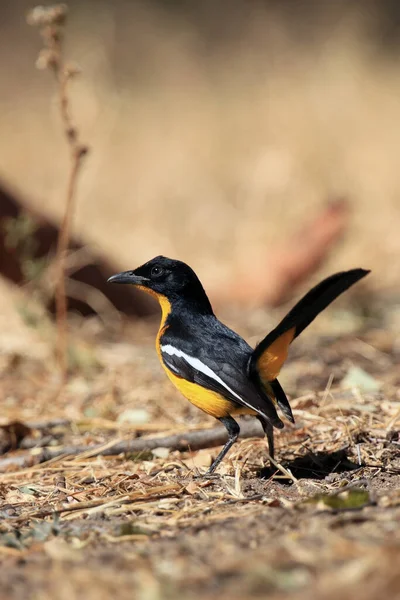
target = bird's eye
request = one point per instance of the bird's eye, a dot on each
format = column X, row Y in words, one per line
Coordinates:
column 157, row 271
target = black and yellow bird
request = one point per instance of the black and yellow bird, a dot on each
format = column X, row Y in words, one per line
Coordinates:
column 212, row 365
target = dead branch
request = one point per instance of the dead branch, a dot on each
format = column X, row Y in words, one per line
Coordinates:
column 192, row 440
column 49, row 423
column 51, row 20
column 286, row 267
column 309, row 247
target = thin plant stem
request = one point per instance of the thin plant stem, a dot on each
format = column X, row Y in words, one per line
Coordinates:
column 52, row 20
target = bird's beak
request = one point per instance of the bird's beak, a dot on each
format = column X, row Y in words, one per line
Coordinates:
column 127, row 277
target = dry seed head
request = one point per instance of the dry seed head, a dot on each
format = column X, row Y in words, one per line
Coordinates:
column 47, row 15
column 72, row 70
column 83, row 150
column 47, row 59
column 71, row 134
column 51, row 34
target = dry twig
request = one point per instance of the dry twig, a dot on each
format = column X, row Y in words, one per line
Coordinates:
column 192, row 440
column 51, row 20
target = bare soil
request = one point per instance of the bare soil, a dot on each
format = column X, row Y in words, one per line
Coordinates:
column 148, row 526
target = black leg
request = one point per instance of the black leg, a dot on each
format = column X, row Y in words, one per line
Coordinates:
column 233, row 431
column 269, row 432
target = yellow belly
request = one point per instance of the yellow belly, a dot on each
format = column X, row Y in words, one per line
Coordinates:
column 210, row 402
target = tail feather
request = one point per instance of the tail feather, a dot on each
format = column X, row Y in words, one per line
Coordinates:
column 270, row 354
column 281, row 400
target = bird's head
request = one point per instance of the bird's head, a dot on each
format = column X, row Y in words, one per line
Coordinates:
column 163, row 276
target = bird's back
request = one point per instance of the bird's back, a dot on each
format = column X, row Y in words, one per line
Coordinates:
column 205, row 337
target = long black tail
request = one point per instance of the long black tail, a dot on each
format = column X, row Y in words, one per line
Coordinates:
column 270, row 354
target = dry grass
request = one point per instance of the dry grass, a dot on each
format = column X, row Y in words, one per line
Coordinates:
column 144, row 524
column 51, row 23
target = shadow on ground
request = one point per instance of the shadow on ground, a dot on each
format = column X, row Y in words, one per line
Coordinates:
column 316, row 465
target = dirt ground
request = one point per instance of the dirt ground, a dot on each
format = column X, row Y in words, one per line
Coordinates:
column 211, row 142
column 146, row 526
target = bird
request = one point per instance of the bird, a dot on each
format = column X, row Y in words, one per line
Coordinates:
column 213, row 366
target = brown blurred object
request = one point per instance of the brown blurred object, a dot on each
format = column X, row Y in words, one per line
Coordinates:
column 285, row 267
column 276, row 278
column 93, row 273
column 11, row 435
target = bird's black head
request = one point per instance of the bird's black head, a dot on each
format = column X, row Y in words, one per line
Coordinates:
column 170, row 278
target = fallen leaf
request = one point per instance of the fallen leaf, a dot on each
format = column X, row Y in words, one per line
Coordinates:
column 202, row 458
column 192, row 488
column 358, row 378
column 161, row 452
column 137, row 416
column 346, row 500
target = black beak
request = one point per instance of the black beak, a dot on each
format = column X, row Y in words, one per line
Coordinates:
column 127, row 277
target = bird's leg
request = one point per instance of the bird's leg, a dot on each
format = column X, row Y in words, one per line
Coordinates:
column 233, row 431
column 269, row 432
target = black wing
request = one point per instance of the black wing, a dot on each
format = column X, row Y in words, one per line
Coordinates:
column 221, row 377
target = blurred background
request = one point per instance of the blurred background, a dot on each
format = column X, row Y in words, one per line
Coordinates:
column 258, row 141
column 216, row 129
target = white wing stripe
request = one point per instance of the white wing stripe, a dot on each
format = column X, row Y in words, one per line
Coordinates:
column 200, row 366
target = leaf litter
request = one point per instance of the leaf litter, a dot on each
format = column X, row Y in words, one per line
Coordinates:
column 323, row 521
